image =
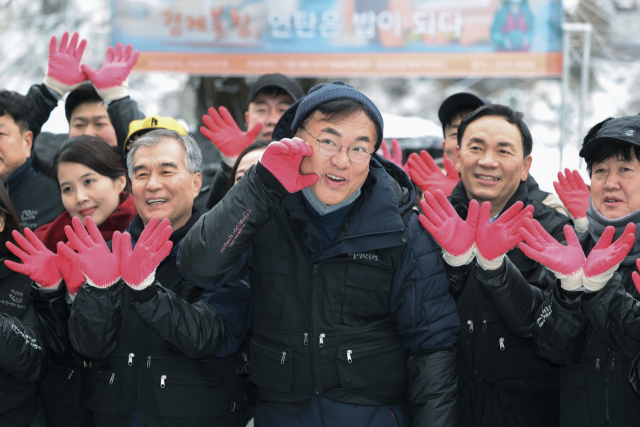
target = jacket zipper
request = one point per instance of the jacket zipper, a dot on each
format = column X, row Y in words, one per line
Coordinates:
column 348, row 353
column 131, row 356
column 606, row 390
column 470, row 323
column 316, row 369
column 273, row 350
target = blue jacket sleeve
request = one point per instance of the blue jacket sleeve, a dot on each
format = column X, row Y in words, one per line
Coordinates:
column 425, row 311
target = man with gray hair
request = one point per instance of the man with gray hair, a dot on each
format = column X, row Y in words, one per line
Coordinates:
column 165, row 355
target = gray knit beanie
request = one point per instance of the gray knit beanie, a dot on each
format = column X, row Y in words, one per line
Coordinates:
column 327, row 92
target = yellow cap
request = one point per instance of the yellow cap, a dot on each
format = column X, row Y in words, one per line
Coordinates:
column 139, row 127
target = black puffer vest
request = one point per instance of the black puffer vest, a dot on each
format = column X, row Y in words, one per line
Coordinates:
column 322, row 328
column 168, row 388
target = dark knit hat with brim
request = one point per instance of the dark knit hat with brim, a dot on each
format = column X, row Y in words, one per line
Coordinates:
column 623, row 130
column 327, row 92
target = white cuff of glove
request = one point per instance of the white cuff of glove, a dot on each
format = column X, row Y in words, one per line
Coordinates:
column 458, row 260
column 229, row 161
column 580, row 225
column 572, row 282
column 145, row 283
column 493, row 264
column 91, row 283
column 57, row 88
column 595, row 283
column 113, row 93
column 49, row 288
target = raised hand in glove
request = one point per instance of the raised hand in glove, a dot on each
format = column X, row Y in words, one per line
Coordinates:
column 565, row 262
column 38, row 262
column 494, row 239
column 71, row 274
column 225, row 134
column 426, row 174
column 283, row 160
column 138, row 266
column 635, row 276
column 605, row 257
column 455, row 236
column 575, row 195
column 63, row 68
column 99, row 265
column 111, row 81
column 397, row 152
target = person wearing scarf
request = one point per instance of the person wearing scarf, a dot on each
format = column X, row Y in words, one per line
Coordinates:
column 589, row 322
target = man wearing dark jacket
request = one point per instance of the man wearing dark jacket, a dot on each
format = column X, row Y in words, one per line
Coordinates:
column 163, row 355
column 502, row 381
column 353, row 323
column 35, row 197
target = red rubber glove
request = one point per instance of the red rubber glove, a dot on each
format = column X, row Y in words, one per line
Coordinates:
column 397, row 151
column 605, row 257
column 95, row 260
column 495, row 239
column 635, row 276
column 573, row 192
column 455, row 236
column 138, row 266
column 38, row 262
column 225, row 134
column 565, row 262
column 63, row 68
column 73, row 277
column 283, row 160
column 426, row 174
column 111, row 81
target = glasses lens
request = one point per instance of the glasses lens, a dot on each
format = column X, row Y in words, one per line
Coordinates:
column 328, row 147
column 358, row 156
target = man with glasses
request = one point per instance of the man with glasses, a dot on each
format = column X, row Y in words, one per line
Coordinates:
column 353, row 323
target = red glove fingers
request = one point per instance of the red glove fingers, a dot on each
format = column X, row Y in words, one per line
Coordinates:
column 426, row 174
column 494, row 239
column 100, row 266
column 636, row 277
column 111, row 80
column 573, row 192
column 283, row 160
column 605, row 257
column 38, row 262
column 73, row 277
column 397, row 152
column 138, row 266
column 455, row 236
column 450, row 167
column 224, row 133
column 63, row 68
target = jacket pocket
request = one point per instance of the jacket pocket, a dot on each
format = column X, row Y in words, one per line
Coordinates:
column 516, row 358
column 60, row 385
column 190, row 395
column 103, row 388
column 377, row 364
column 268, row 277
column 574, row 404
column 271, row 366
column 366, row 295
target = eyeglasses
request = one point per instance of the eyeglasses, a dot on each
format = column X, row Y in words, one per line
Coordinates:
column 329, row 148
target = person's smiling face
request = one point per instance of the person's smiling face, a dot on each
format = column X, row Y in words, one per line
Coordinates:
column 491, row 161
column 614, row 186
column 339, row 177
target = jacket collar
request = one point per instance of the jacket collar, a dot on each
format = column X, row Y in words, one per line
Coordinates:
column 460, row 200
column 18, row 178
column 376, row 215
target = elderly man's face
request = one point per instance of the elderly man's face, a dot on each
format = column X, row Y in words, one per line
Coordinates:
column 491, row 161
column 614, row 186
column 161, row 184
column 339, row 176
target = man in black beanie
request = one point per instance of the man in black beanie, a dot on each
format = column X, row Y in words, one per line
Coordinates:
column 353, row 323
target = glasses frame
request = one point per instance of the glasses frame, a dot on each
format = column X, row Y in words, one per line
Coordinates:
column 340, row 146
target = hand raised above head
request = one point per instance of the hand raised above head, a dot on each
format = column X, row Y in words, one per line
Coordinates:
column 63, row 67
column 224, row 133
column 110, row 81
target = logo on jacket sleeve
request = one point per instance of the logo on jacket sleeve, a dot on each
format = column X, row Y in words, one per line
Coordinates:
column 372, row 257
column 28, row 215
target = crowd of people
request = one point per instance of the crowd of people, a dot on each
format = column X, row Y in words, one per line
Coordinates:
column 318, row 286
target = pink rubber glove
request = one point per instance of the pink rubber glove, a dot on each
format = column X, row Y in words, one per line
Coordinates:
column 225, row 134
column 573, row 192
column 95, row 260
column 63, row 68
column 605, row 257
column 397, row 152
column 111, row 81
column 565, row 262
column 426, row 174
column 73, row 277
column 138, row 266
column 283, row 160
column 635, row 276
column 455, row 236
column 495, row 239
column 38, row 262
